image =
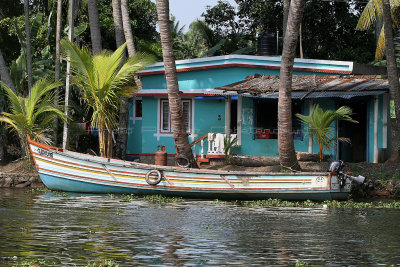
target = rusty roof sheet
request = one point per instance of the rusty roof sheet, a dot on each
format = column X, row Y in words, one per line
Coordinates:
column 308, row 86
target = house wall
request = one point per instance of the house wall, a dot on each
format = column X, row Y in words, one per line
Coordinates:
column 144, row 136
column 384, row 152
column 134, row 143
column 193, row 74
column 269, row 147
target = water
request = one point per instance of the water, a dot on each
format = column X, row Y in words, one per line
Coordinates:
column 78, row 229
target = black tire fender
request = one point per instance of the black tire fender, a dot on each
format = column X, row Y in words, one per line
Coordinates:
column 152, row 182
column 182, row 162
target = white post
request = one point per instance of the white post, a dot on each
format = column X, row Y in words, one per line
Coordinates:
column 376, row 112
column 202, row 149
column 239, row 121
column 310, row 141
column 385, row 120
column 228, row 116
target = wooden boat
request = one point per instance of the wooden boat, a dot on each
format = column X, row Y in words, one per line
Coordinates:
column 70, row 171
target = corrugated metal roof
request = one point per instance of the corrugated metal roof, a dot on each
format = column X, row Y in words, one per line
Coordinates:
column 308, row 86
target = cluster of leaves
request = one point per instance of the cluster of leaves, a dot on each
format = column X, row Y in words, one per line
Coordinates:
column 338, row 41
column 319, row 126
column 328, row 204
column 156, row 199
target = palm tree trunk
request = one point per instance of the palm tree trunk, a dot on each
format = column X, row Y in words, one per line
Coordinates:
column 68, row 79
column 57, row 63
column 287, row 154
column 286, row 6
column 123, row 110
column 6, row 78
column 122, row 139
column 94, row 23
column 129, row 35
column 28, row 45
column 110, row 143
column 5, row 74
column 175, row 104
column 393, row 79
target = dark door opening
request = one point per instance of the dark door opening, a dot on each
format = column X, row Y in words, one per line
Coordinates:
column 356, row 132
column 233, row 125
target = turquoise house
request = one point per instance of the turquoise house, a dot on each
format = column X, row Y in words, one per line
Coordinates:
column 237, row 95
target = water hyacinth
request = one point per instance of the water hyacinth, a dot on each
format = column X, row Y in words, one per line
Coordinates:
column 326, row 204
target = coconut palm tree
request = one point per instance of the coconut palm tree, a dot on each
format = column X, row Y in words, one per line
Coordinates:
column 124, row 112
column 372, row 13
column 103, row 80
column 184, row 152
column 287, row 154
column 32, row 117
column 123, row 109
column 319, row 126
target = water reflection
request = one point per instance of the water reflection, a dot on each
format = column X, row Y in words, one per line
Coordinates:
column 76, row 229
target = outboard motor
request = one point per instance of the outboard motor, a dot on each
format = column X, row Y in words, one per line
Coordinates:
column 336, row 167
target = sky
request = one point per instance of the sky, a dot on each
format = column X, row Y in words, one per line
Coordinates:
column 186, row 11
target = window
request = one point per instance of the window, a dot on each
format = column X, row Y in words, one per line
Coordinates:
column 165, row 116
column 138, row 108
column 266, row 119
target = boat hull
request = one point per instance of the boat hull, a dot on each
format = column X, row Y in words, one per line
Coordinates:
column 75, row 172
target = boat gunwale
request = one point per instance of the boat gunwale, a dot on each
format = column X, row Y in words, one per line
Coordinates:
column 138, row 165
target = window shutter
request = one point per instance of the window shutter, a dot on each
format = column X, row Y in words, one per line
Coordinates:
column 186, row 114
column 165, row 116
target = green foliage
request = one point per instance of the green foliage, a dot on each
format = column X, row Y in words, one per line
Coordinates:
column 230, row 144
column 350, row 204
column 143, row 15
column 396, row 175
column 32, row 116
column 30, row 261
column 103, row 80
column 301, row 264
column 338, row 41
column 128, row 198
column 319, row 126
column 102, row 263
column 373, row 13
column 159, row 199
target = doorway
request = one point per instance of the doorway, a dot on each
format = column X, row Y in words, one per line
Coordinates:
column 356, row 151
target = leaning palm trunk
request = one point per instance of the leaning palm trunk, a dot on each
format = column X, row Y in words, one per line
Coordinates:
column 182, row 146
column 287, row 154
column 393, row 79
column 129, row 36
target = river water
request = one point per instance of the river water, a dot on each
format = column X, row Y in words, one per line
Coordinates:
column 63, row 230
